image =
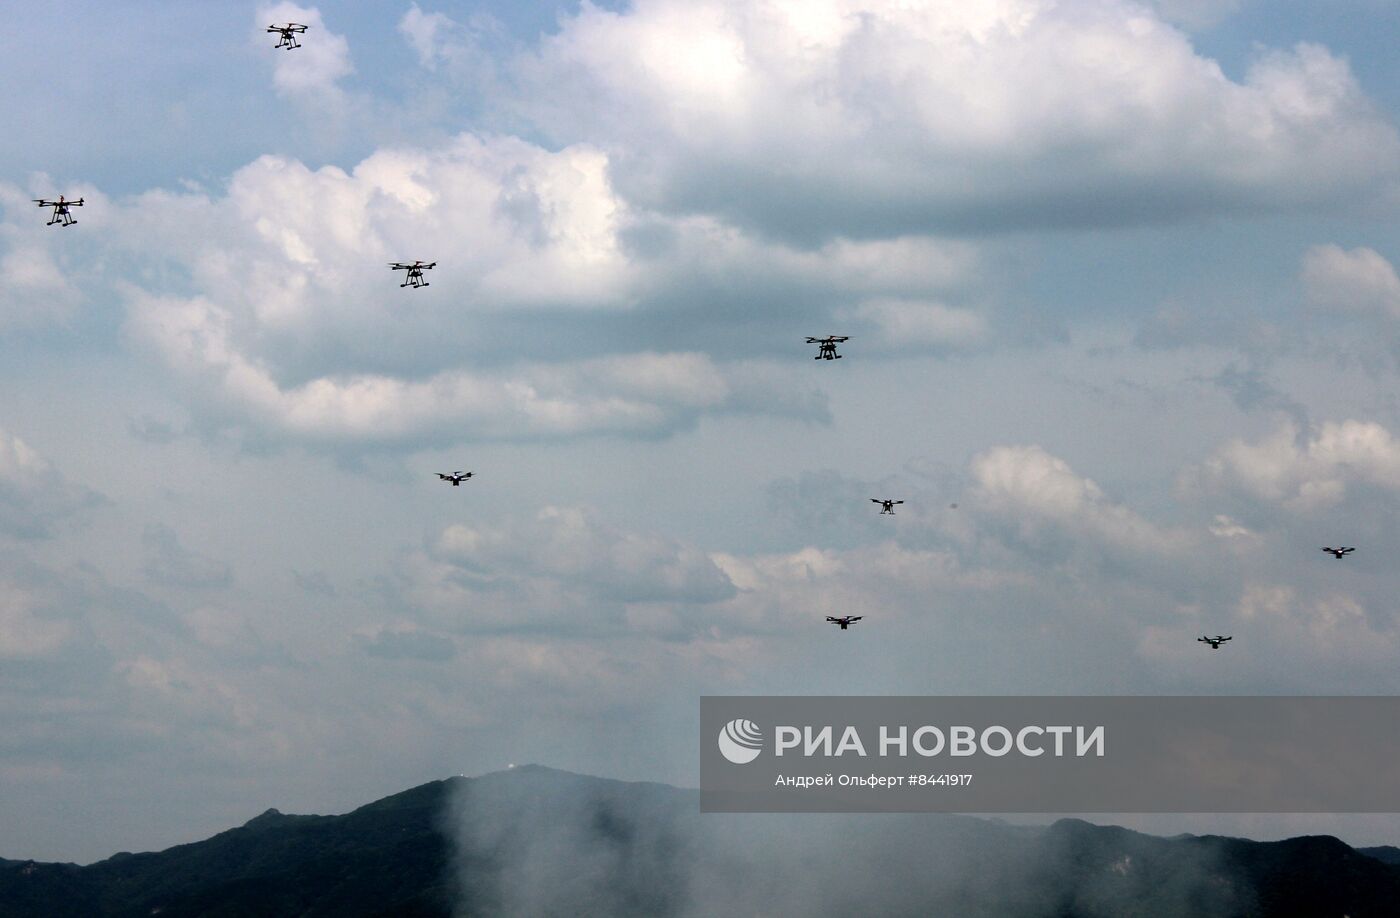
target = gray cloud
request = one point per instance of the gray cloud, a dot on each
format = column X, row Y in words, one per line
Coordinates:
column 34, row 496
column 564, row 570
column 388, row 644
column 171, row 564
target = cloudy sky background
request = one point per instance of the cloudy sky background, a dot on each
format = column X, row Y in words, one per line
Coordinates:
column 1121, row 284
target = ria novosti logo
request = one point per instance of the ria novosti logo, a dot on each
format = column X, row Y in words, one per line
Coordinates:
column 741, row 741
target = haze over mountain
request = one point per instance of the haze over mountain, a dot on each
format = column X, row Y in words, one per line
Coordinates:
column 536, row 841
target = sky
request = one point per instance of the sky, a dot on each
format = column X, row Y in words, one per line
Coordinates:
column 1119, row 279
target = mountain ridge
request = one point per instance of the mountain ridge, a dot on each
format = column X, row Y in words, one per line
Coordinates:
column 540, row 841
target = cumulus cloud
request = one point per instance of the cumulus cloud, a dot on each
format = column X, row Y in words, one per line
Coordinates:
column 296, row 326
column 1036, row 489
column 866, row 117
column 1359, row 280
column 644, row 394
column 1300, row 472
column 34, row 495
column 316, row 67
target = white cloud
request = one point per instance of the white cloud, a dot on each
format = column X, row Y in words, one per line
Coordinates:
column 798, row 589
column 33, row 287
column 1223, row 527
column 1359, row 280
column 510, row 225
column 872, row 117
column 297, row 326
column 1034, row 488
column 36, row 260
column 424, row 32
column 1304, row 473
column 903, row 323
column 463, row 58
column 642, row 393
column 1329, row 625
column 315, row 67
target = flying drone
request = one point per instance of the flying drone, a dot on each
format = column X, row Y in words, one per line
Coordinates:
column 826, row 347
column 60, row 210
column 844, row 621
column 288, row 35
column 1214, row 642
column 1339, row 553
column 886, row 506
column 415, row 272
column 456, row 477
